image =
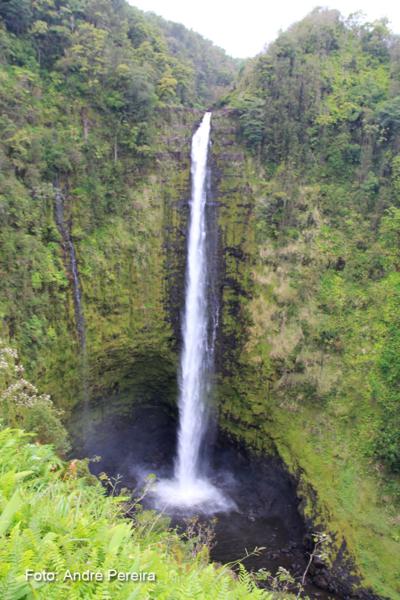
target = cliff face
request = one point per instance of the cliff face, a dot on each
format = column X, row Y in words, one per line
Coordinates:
column 287, row 372
column 232, row 194
column 98, row 105
column 129, row 266
column 315, row 374
column 132, row 272
column 131, row 263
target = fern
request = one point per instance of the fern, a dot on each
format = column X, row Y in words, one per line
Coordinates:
column 52, row 521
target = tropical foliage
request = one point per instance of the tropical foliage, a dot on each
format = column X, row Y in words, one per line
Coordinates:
column 54, row 519
column 90, row 98
column 317, row 111
column 98, row 102
column 21, row 405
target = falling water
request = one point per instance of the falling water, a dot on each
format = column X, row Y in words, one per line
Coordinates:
column 189, row 487
column 193, row 384
column 66, row 237
column 77, row 294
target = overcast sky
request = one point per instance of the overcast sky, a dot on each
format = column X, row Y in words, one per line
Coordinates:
column 243, row 27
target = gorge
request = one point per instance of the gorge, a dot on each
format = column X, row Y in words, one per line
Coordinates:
column 295, row 284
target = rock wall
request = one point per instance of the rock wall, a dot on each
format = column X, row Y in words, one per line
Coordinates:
column 264, row 395
column 127, row 222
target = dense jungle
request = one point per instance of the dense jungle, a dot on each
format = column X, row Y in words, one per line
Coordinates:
column 98, row 105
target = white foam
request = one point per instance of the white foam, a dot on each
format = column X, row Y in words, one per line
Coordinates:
column 198, row 495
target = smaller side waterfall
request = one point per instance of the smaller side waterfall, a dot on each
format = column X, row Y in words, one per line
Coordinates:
column 69, row 249
column 189, row 488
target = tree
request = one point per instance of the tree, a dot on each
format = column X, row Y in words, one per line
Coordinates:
column 17, row 15
column 388, row 116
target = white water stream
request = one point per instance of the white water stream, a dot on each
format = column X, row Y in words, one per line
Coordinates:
column 189, row 488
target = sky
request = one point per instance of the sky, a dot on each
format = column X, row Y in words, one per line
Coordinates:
column 244, row 27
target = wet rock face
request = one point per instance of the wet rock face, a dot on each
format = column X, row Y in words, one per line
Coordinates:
column 174, row 163
column 233, row 203
column 340, row 578
column 229, row 215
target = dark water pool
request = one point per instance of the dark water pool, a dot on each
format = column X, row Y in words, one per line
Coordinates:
column 143, row 441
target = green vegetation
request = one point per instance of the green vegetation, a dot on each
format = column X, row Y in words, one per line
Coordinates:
column 318, row 375
column 22, row 406
column 213, row 70
column 94, row 104
column 86, row 530
column 98, row 102
column 55, row 517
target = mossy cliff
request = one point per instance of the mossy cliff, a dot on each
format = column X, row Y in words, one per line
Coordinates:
column 132, row 270
column 98, row 106
column 231, row 193
column 281, row 387
column 317, row 368
column 130, row 260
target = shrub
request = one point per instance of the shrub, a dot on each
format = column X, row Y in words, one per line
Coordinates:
column 21, row 405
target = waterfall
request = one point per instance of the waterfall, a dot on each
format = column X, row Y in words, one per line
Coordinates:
column 194, row 363
column 69, row 249
column 189, row 487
